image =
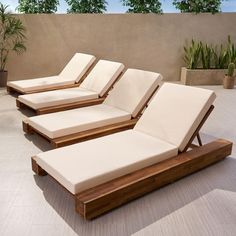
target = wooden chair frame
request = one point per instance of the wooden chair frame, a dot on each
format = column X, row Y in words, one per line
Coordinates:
column 68, row 106
column 88, row 134
column 100, row 199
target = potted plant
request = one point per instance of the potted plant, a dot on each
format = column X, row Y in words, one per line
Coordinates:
column 12, row 36
column 206, row 64
column 229, row 79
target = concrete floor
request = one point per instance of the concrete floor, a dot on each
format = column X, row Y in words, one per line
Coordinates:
column 201, row 204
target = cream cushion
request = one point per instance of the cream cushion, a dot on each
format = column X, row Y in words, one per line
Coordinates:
column 77, row 120
column 132, row 91
column 95, row 84
column 73, row 72
column 82, row 166
column 175, row 113
column 77, row 67
column 57, row 97
column 39, row 83
column 103, row 75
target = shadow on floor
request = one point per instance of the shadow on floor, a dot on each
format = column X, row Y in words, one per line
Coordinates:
column 27, row 112
column 39, row 142
column 138, row 213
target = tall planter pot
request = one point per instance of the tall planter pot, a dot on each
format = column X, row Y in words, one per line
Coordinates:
column 3, row 78
column 202, row 76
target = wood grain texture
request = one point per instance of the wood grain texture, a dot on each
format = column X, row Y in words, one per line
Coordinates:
column 103, row 198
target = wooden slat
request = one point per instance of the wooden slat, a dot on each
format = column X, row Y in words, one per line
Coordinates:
column 100, row 199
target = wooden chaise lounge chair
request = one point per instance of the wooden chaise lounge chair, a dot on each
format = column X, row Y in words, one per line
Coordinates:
column 91, row 91
column 73, row 74
column 119, row 111
column 107, row 172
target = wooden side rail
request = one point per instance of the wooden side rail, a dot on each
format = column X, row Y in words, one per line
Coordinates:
column 105, row 197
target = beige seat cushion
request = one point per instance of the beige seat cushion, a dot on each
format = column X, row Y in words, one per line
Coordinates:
column 73, row 72
column 175, row 113
column 132, row 91
column 77, row 67
column 82, row 166
column 77, row 120
column 57, row 97
column 103, row 75
column 39, row 83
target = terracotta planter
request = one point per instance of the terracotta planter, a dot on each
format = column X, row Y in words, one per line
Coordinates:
column 3, row 78
column 202, row 76
column 229, row 82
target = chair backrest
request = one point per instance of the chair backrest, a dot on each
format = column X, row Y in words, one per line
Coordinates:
column 77, row 67
column 133, row 90
column 102, row 76
column 175, row 113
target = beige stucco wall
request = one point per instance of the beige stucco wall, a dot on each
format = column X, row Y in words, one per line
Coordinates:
column 151, row 42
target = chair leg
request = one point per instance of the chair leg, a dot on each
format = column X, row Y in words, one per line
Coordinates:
column 36, row 168
column 199, row 139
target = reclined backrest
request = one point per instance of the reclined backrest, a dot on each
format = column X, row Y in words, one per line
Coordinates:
column 102, row 76
column 77, row 67
column 175, row 113
column 133, row 90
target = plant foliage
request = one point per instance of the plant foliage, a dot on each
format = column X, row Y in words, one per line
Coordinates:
column 199, row 55
column 38, row 6
column 86, row 6
column 192, row 54
column 12, row 35
column 197, row 6
column 143, row 6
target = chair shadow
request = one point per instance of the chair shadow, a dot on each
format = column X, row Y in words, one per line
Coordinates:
column 146, row 210
column 39, row 142
column 27, row 112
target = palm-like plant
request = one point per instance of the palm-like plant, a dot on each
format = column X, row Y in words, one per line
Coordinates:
column 12, row 36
